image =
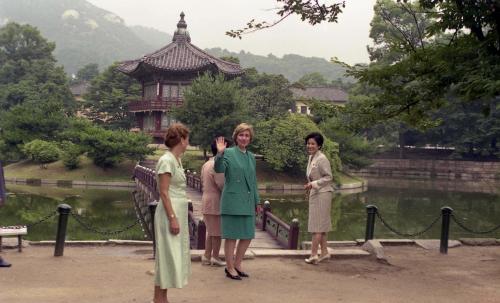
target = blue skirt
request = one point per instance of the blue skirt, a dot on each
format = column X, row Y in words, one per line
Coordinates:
column 237, row 227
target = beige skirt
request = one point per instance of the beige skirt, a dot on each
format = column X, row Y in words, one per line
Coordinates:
column 212, row 222
column 320, row 205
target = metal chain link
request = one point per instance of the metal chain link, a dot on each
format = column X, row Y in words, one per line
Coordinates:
column 408, row 235
column 47, row 217
column 89, row 227
column 462, row 225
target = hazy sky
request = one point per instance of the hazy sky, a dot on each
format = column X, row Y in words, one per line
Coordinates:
column 209, row 20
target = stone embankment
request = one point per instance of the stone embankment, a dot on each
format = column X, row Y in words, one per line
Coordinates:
column 432, row 169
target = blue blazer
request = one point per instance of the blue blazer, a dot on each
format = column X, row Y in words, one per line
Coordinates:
column 240, row 195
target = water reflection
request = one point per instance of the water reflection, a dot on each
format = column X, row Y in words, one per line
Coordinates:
column 104, row 209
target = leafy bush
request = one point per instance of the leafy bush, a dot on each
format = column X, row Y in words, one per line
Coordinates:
column 42, row 151
column 71, row 155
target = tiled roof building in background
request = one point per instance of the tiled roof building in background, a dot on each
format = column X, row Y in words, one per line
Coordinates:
column 303, row 96
column 165, row 74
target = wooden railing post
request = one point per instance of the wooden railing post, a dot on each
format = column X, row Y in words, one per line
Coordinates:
column 267, row 208
column 202, row 230
column 293, row 235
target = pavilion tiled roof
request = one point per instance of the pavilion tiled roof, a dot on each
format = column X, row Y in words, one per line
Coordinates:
column 320, row 93
column 180, row 56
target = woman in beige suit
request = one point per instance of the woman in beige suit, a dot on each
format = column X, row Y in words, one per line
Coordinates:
column 319, row 186
column 213, row 184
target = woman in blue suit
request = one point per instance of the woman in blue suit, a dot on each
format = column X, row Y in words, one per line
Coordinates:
column 239, row 198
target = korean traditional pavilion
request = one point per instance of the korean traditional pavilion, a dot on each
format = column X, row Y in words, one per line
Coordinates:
column 165, row 74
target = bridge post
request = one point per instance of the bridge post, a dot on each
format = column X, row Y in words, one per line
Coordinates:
column 267, row 208
column 293, row 236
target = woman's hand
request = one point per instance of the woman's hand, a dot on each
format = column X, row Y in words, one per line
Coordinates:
column 308, row 186
column 174, row 226
column 221, row 145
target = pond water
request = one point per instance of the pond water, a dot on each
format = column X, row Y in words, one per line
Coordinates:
column 104, row 209
column 408, row 207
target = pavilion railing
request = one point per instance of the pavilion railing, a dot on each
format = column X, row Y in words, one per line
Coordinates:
column 156, row 105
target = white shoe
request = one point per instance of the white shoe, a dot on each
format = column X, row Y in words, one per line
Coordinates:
column 217, row 262
column 312, row 260
column 205, row 260
column 324, row 257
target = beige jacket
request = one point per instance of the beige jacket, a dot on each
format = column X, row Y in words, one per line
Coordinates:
column 319, row 173
column 213, row 183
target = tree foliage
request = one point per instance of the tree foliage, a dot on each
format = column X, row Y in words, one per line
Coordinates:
column 106, row 102
column 212, row 106
column 28, row 71
column 87, row 73
column 106, row 147
column 281, row 142
column 268, row 95
column 313, row 12
column 42, row 152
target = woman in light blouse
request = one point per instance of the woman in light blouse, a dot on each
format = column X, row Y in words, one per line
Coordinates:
column 319, row 186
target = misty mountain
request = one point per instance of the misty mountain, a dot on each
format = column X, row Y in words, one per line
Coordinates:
column 85, row 34
column 293, row 67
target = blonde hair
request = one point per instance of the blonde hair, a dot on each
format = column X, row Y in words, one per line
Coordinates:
column 175, row 132
column 241, row 128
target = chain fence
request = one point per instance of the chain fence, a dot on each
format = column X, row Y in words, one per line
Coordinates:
column 409, row 235
column 80, row 219
column 47, row 217
column 470, row 230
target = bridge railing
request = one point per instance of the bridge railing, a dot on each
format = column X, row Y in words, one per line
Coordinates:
column 147, row 194
column 193, row 180
column 287, row 235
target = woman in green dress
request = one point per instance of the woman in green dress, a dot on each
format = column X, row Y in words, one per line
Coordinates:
column 239, row 197
column 173, row 261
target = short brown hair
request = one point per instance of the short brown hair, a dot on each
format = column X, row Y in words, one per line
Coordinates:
column 175, row 132
column 241, row 128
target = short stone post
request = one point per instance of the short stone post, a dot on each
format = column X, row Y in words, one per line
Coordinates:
column 371, row 211
column 445, row 229
column 63, row 210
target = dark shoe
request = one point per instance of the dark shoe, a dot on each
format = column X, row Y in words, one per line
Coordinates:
column 242, row 273
column 230, row 276
column 4, row 263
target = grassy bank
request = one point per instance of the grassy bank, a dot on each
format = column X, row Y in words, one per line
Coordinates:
column 56, row 171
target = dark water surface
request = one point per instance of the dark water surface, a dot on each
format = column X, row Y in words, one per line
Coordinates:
column 103, row 209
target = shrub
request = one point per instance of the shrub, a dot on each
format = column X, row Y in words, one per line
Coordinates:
column 71, row 155
column 42, row 152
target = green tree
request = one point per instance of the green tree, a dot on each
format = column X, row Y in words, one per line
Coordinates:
column 313, row 79
column 28, row 71
column 105, row 147
column 281, row 142
column 87, row 73
column 269, row 95
column 29, row 121
column 212, row 106
column 42, row 152
column 421, row 81
column 106, row 103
